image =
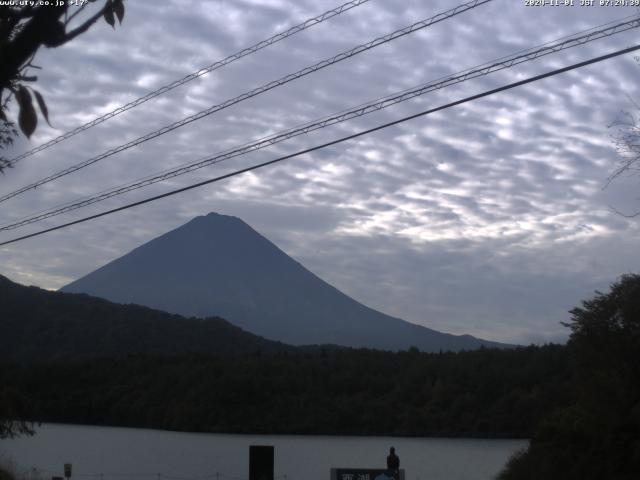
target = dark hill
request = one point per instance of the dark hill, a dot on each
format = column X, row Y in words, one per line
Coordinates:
column 38, row 325
column 218, row 265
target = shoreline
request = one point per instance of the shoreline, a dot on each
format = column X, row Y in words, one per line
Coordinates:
column 276, row 434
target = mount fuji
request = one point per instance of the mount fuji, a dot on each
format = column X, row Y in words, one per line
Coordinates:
column 217, row 265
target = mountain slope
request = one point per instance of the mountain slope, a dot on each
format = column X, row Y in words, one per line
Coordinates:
column 38, row 325
column 218, row 265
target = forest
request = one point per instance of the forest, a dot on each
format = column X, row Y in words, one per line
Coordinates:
column 484, row 393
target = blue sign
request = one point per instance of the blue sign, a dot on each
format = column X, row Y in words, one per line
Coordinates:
column 366, row 474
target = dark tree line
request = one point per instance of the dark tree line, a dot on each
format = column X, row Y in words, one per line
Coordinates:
column 484, row 393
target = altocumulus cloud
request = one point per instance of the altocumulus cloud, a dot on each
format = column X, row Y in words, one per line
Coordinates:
column 489, row 218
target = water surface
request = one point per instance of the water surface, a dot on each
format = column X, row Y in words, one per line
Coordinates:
column 138, row 454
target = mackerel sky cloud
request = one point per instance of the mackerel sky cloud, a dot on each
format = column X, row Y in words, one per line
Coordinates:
column 490, row 218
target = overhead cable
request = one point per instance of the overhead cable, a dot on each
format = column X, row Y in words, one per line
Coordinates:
column 256, row 91
column 197, row 74
column 328, row 144
column 361, row 110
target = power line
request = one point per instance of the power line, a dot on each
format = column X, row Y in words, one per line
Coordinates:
column 331, row 143
column 580, row 38
column 197, row 74
column 257, row 91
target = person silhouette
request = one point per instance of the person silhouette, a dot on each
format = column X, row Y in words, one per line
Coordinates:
column 393, row 462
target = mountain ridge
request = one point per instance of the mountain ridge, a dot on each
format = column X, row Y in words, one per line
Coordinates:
column 40, row 325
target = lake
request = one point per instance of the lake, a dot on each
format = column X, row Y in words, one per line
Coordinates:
column 108, row 453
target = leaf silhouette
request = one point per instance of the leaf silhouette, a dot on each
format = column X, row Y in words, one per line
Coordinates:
column 118, row 8
column 27, row 118
column 108, row 15
column 43, row 106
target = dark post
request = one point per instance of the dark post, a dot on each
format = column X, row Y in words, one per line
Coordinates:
column 261, row 462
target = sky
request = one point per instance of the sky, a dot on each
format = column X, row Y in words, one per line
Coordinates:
column 493, row 218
